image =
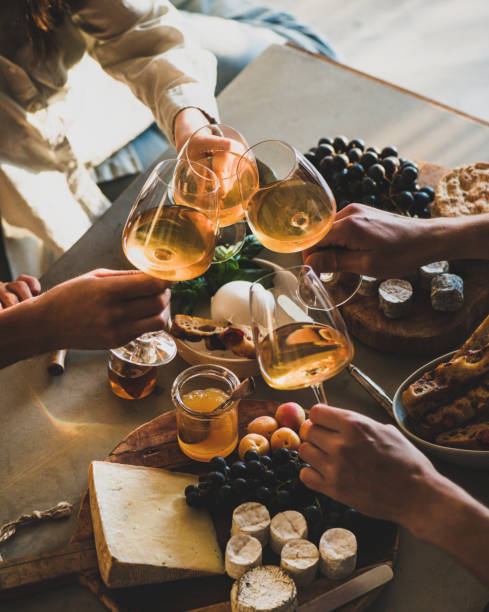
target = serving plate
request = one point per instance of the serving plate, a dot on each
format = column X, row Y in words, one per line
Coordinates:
column 459, row 456
column 196, row 353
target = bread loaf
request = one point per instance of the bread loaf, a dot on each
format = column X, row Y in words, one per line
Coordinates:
column 472, row 437
column 195, row 328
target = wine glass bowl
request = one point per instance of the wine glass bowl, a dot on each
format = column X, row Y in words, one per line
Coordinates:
column 300, row 337
column 292, row 207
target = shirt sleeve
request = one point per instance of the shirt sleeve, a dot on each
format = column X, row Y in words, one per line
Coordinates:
column 143, row 44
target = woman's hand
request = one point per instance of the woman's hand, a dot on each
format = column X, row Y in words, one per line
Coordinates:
column 16, row 291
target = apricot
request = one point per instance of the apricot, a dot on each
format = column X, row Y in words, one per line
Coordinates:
column 290, row 415
column 263, row 425
column 285, row 438
column 305, row 427
column 253, row 441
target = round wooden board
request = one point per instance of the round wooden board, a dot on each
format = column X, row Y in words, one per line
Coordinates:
column 154, row 444
column 424, row 331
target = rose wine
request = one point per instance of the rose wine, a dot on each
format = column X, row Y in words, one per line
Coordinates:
column 291, row 215
column 298, row 355
column 171, row 242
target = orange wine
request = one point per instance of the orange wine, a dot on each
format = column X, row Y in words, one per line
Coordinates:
column 171, row 242
column 130, row 381
column 298, row 355
column 201, row 437
column 291, row 215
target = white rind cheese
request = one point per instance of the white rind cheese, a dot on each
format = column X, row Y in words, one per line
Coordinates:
column 264, row 589
column 242, row 553
column 286, row 526
column 395, row 297
column 429, row 271
column 447, row 292
column 144, row 530
column 368, row 285
column 251, row 518
column 300, row 559
column 338, row 553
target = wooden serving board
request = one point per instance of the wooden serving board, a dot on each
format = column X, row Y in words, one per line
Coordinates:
column 154, row 444
column 423, row 331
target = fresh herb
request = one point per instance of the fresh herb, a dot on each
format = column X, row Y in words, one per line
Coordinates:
column 187, row 294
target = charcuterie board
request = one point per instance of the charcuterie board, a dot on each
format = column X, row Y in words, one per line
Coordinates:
column 423, row 331
column 154, row 444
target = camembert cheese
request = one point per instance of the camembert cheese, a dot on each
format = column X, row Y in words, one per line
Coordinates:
column 144, row 530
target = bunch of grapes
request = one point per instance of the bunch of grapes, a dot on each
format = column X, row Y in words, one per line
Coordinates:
column 273, row 481
column 380, row 179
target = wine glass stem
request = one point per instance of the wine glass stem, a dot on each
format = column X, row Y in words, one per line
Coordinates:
column 319, row 393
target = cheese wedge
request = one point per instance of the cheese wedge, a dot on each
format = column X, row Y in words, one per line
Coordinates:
column 144, row 530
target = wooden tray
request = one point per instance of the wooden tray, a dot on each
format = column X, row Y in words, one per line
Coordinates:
column 424, row 331
column 154, row 445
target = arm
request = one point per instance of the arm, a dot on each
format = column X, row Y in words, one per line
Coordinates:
column 144, row 45
column 369, row 241
column 101, row 309
column 375, row 469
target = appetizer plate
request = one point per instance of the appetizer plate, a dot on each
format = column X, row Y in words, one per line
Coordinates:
column 466, row 458
column 195, row 353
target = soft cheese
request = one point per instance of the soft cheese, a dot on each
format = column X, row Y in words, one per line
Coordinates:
column 144, row 530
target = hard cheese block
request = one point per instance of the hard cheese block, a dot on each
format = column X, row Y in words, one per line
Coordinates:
column 144, row 530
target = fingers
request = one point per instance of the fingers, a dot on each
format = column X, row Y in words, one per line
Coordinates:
column 32, row 282
column 130, row 284
column 314, row 480
column 149, row 324
column 334, row 419
column 7, row 298
column 19, row 288
column 316, row 458
column 141, row 308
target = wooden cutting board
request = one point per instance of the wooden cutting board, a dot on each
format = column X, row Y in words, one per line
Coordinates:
column 154, row 444
column 424, row 331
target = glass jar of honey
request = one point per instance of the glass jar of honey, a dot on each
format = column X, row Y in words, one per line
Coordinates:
column 204, row 432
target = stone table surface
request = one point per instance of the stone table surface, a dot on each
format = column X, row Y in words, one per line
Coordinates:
column 53, row 427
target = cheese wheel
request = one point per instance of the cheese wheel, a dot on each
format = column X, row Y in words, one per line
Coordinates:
column 428, row 272
column 242, row 553
column 338, row 553
column 286, row 526
column 300, row 559
column 368, row 285
column 264, row 589
column 395, row 297
column 251, row 518
column 447, row 292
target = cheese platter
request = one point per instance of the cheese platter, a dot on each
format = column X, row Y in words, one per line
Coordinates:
column 155, row 445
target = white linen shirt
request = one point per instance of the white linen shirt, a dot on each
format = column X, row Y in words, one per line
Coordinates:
column 45, row 185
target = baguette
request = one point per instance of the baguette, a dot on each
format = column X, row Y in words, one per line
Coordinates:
column 472, row 437
column 196, row 328
column 239, row 339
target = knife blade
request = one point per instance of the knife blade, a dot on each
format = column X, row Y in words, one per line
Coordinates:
column 342, row 594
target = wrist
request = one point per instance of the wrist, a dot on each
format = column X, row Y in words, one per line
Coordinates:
column 187, row 121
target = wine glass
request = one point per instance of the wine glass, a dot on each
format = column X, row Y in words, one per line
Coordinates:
column 300, row 337
column 292, row 208
column 170, row 233
column 219, row 148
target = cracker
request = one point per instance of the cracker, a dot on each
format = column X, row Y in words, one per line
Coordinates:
column 463, row 191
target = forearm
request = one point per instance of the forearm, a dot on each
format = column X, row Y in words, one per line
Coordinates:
column 455, row 522
column 459, row 237
column 24, row 332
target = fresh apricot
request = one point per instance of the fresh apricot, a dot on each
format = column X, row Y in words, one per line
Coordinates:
column 263, row 425
column 305, row 427
column 290, row 415
column 253, row 441
column 285, row 438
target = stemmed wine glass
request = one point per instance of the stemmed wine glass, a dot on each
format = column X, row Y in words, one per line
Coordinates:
column 300, row 337
column 292, row 208
column 220, row 147
column 170, row 234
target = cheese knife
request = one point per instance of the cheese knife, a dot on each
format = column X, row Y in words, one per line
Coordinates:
column 348, row 591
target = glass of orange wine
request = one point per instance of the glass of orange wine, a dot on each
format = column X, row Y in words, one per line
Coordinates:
column 170, row 234
column 291, row 207
column 300, row 337
column 220, row 147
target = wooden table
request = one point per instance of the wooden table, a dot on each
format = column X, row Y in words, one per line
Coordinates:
column 53, row 427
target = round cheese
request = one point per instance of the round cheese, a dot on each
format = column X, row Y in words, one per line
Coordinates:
column 428, row 272
column 395, row 297
column 242, row 553
column 264, row 589
column 286, row 526
column 447, row 292
column 338, row 553
column 251, row 518
column 300, row 559
column 368, row 285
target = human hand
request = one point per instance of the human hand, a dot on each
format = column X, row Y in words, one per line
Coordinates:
column 16, row 291
column 103, row 309
column 365, row 464
column 378, row 243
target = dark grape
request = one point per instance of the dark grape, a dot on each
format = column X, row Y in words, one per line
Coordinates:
column 327, row 165
column 203, row 478
column 281, row 455
column 421, row 199
column 218, row 464
column 356, row 143
column 284, row 471
column 252, row 455
column 325, row 140
column 195, row 500
column 383, row 186
column 216, row 479
column 205, row 485
column 264, row 495
column 312, row 514
column 354, row 154
column 227, row 471
column 388, row 152
column 293, row 454
column 390, row 164
column 238, row 469
column 226, row 492
column 355, row 189
column 340, row 143
column 266, row 460
column 284, row 499
column 340, row 178
column 404, row 199
column 324, row 150
column 355, row 172
column 409, row 174
column 370, row 200
column 425, row 213
column 269, row 479
column 191, row 489
column 429, row 192
column 311, row 157
column 255, row 468
column 376, row 172
column 240, row 486
column 341, row 161
column 368, row 159
column 374, row 150
column 368, row 186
